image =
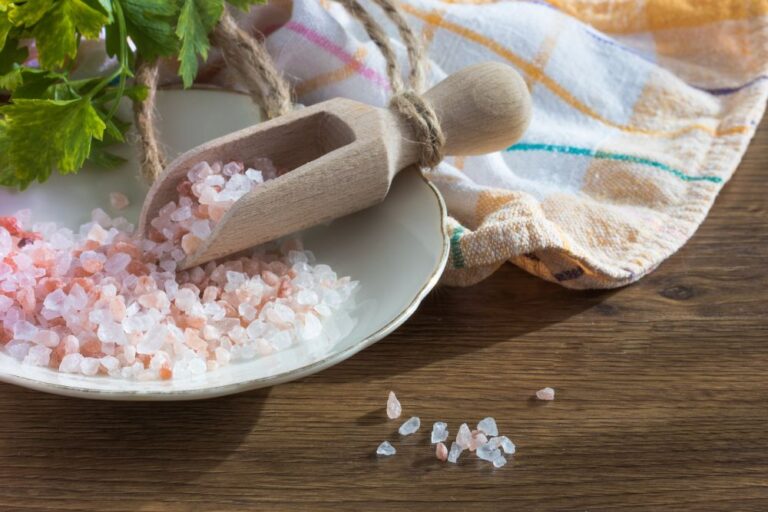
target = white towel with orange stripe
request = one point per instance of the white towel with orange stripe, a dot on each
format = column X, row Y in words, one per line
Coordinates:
column 642, row 111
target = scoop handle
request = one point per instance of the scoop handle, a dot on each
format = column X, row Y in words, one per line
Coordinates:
column 481, row 108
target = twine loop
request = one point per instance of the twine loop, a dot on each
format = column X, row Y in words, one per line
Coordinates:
column 247, row 56
column 425, row 123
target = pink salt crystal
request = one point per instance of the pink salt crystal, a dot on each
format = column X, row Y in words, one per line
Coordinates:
column 47, row 338
column 441, row 452
column 464, row 436
column 545, row 394
column 118, row 200
column 190, row 243
column 71, row 344
column 478, row 439
column 394, row 409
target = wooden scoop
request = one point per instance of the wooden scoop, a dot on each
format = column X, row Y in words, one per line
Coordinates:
column 343, row 155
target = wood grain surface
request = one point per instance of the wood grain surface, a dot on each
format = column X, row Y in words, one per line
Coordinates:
column 662, row 403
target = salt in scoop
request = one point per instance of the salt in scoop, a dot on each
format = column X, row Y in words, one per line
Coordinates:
column 342, row 155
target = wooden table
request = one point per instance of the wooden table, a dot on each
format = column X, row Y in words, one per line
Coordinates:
column 662, row 403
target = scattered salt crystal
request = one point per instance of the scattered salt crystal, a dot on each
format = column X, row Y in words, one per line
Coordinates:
column 255, row 176
column 464, row 436
column 441, row 452
column 118, row 201
column 499, row 461
column 24, row 330
column 439, row 432
column 507, row 445
column 478, row 439
column 394, row 409
column 386, row 449
column 545, row 394
column 487, row 452
column 453, row 455
column 410, row 426
column 488, row 426
column 18, row 349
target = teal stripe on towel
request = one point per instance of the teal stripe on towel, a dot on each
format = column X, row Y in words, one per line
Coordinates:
column 607, row 155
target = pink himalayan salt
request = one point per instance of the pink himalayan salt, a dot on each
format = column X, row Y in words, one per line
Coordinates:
column 464, row 436
column 441, row 452
column 118, row 201
column 545, row 394
column 104, row 302
column 478, row 439
column 394, row 409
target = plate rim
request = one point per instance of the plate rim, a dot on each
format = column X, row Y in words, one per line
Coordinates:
column 262, row 382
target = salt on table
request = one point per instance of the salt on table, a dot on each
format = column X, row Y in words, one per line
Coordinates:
column 386, row 449
column 410, row 426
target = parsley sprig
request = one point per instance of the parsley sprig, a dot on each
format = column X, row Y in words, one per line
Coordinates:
column 53, row 119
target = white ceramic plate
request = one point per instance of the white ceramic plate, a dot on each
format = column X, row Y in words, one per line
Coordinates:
column 396, row 250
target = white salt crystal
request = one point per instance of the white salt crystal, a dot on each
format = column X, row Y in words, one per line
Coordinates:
column 71, row 363
column 201, row 229
column 153, row 340
column 499, row 461
column 488, row 452
column 18, row 349
column 410, row 426
column 110, row 363
column 307, row 298
column 488, row 426
column 255, row 176
column 247, row 311
column 89, row 366
column 507, row 445
column 197, row 366
column 38, row 355
column 55, row 300
column 117, row 263
column 24, row 331
column 311, row 328
column 455, row 451
column 222, row 356
column 110, row 332
column 386, row 449
column 47, row 338
column 439, row 432
column 6, row 243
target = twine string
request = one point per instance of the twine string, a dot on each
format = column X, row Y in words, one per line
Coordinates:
column 247, row 56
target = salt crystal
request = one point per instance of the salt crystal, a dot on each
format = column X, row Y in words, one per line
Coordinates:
column 118, row 201
column 487, row 452
column 506, row 445
column 488, row 426
column 386, row 449
column 18, row 349
column 89, row 366
column 410, row 426
column 125, row 291
column 439, row 432
column 394, row 409
column 464, row 436
column 38, row 355
column 441, row 452
column 499, row 461
column 453, row 455
column 255, row 176
column 478, row 439
column 545, row 394
column 24, row 331
column 47, row 338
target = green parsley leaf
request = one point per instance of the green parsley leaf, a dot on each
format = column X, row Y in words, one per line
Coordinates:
column 30, row 12
column 5, row 27
column 42, row 134
column 56, row 33
column 150, row 25
column 196, row 19
column 245, row 5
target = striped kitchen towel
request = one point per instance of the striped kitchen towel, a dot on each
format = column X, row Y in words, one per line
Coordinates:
column 642, row 111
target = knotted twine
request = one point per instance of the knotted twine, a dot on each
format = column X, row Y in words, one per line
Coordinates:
column 247, row 56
